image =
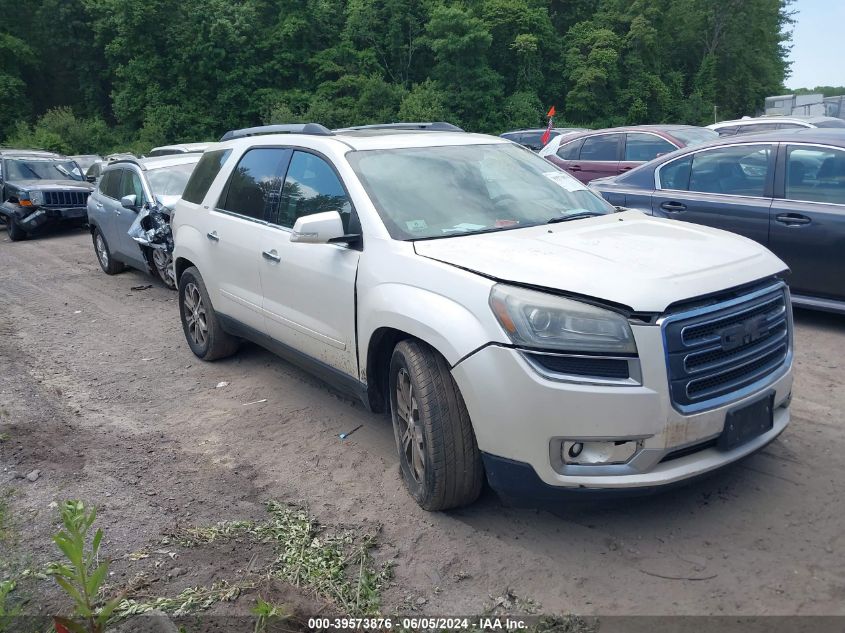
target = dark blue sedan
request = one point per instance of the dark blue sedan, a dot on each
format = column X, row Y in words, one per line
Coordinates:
column 784, row 189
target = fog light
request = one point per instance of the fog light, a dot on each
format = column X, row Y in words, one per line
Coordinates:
column 598, row 453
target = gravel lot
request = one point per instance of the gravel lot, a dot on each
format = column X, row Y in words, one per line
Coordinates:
column 99, row 391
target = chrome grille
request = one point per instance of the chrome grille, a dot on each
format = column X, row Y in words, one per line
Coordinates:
column 715, row 351
column 65, row 198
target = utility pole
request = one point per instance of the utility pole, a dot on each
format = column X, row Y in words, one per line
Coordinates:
column 715, row 120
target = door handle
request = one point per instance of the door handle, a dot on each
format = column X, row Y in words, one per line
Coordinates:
column 673, row 207
column 628, row 168
column 575, row 168
column 272, row 256
column 213, row 236
column 792, row 219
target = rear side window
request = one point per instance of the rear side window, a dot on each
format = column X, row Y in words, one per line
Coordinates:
column 757, row 127
column 571, row 150
column 675, row 175
column 110, row 183
column 790, row 126
column 645, row 147
column 533, row 140
column 815, row 174
column 739, row 171
column 204, row 174
column 311, row 186
column 256, row 183
column 728, row 130
column 604, row 147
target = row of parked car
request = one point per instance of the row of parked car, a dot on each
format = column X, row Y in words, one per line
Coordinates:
column 783, row 187
column 517, row 326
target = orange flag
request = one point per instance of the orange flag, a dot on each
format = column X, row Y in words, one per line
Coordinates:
column 551, row 112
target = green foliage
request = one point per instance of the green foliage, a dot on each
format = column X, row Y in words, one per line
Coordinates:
column 130, row 74
column 82, row 576
column 266, row 613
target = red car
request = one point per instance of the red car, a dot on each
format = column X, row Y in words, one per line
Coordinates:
column 598, row 153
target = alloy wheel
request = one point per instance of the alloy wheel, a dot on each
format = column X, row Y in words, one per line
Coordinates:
column 164, row 265
column 195, row 315
column 102, row 251
column 412, row 440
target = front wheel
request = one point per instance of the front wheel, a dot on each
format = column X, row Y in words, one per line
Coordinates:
column 203, row 331
column 163, row 262
column 438, row 453
column 16, row 232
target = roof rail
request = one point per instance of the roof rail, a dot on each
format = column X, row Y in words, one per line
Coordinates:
column 434, row 126
column 132, row 161
column 314, row 129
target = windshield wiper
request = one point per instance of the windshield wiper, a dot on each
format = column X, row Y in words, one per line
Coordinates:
column 574, row 216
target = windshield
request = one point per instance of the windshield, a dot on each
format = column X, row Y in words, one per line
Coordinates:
column 694, row 136
column 170, row 181
column 42, row 169
column 427, row 192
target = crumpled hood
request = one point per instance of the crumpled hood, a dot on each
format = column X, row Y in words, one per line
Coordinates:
column 37, row 184
column 628, row 258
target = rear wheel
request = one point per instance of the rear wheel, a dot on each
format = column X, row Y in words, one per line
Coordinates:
column 101, row 248
column 203, row 331
column 438, row 454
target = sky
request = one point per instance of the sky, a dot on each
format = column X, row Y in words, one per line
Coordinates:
column 818, row 44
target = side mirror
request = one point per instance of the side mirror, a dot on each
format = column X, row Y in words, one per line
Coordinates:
column 128, row 202
column 319, row 228
column 90, row 178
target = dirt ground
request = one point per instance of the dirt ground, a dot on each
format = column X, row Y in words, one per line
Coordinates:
column 99, row 391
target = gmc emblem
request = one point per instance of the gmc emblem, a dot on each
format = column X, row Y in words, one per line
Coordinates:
column 743, row 333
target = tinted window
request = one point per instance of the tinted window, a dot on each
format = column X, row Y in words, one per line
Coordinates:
column 737, row 170
column 571, row 150
column 601, row 147
column 311, row 186
column 204, row 174
column 645, row 147
column 757, row 127
column 830, row 123
column 790, row 126
column 534, row 139
column 815, row 174
column 675, row 175
column 110, row 183
column 256, row 183
column 131, row 186
column 729, row 130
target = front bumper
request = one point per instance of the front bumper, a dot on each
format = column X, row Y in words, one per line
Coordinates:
column 30, row 220
column 521, row 417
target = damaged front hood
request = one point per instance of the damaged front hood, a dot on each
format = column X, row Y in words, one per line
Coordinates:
column 628, row 258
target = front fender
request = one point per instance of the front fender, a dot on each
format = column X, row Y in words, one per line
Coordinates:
column 446, row 325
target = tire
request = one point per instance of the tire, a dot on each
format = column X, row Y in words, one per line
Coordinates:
column 16, row 232
column 451, row 473
column 109, row 265
column 202, row 328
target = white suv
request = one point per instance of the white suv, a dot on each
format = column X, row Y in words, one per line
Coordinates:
column 512, row 322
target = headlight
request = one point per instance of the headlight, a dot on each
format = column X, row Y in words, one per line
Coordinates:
column 540, row 320
column 36, row 197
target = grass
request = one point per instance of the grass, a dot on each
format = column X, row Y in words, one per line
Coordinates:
column 333, row 563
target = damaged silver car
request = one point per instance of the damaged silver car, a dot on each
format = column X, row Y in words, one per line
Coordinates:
column 129, row 213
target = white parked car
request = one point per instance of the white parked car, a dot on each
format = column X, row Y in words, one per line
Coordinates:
column 752, row 125
column 513, row 323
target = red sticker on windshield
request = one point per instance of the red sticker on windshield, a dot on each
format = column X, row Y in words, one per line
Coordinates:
column 503, row 223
